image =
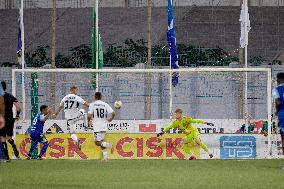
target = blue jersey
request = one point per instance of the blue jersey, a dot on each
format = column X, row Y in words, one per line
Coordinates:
column 37, row 126
column 278, row 92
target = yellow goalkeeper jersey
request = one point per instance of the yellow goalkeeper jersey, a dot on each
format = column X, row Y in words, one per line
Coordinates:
column 185, row 125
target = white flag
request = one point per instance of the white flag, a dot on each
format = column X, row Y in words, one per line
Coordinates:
column 245, row 23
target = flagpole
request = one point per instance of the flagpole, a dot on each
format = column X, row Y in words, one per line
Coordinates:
column 170, row 75
column 23, row 58
column 147, row 79
column 97, row 44
column 171, row 38
column 171, row 94
column 246, row 55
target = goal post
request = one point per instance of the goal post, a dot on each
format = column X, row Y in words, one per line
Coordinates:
column 209, row 93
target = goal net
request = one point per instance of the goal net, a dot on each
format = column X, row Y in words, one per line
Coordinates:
column 236, row 100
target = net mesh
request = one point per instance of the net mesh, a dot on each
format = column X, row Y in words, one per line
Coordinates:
column 208, row 95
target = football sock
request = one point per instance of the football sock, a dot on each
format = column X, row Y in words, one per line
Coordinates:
column 204, row 146
column 104, row 152
column 106, row 145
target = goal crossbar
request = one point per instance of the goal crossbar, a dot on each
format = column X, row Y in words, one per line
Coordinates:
column 75, row 70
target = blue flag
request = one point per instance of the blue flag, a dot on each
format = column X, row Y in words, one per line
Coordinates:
column 171, row 38
column 19, row 47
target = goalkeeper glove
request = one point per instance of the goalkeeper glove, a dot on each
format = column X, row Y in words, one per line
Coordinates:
column 160, row 134
column 210, row 124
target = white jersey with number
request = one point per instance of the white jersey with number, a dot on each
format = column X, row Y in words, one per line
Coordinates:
column 71, row 104
column 100, row 111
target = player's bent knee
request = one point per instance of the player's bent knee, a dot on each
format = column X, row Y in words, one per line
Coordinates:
column 98, row 143
column 198, row 141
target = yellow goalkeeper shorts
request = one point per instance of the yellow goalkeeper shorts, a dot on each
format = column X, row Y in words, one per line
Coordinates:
column 192, row 136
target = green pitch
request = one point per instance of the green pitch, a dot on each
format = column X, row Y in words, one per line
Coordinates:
column 148, row 174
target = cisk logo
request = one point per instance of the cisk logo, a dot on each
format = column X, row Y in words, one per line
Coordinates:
column 151, row 127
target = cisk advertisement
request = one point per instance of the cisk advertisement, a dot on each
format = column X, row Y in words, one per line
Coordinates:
column 149, row 146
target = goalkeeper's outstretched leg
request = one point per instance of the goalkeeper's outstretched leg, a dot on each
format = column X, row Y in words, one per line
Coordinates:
column 199, row 143
column 203, row 146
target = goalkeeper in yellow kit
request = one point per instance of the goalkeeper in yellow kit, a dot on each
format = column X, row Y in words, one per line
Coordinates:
column 184, row 124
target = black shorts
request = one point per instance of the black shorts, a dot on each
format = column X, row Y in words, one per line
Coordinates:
column 8, row 130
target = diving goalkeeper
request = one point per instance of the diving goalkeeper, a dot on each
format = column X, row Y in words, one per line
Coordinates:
column 184, row 124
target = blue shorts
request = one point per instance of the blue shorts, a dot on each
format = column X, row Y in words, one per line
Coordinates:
column 281, row 122
column 37, row 137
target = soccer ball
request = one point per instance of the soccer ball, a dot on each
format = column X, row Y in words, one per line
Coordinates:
column 118, row 104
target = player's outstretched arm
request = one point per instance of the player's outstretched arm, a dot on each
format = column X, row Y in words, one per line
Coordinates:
column 90, row 114
column 191, row 120
column 277, row 105
column 167, row 129
column 86, row 104
column 200, row 121
column 276, row 97
column 58, row 109
column 112, row 117
column 89, row 117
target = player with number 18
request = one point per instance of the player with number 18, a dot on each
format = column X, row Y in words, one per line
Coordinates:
column 99, row 112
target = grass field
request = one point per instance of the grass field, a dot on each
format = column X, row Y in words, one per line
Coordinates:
column 136, row 174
